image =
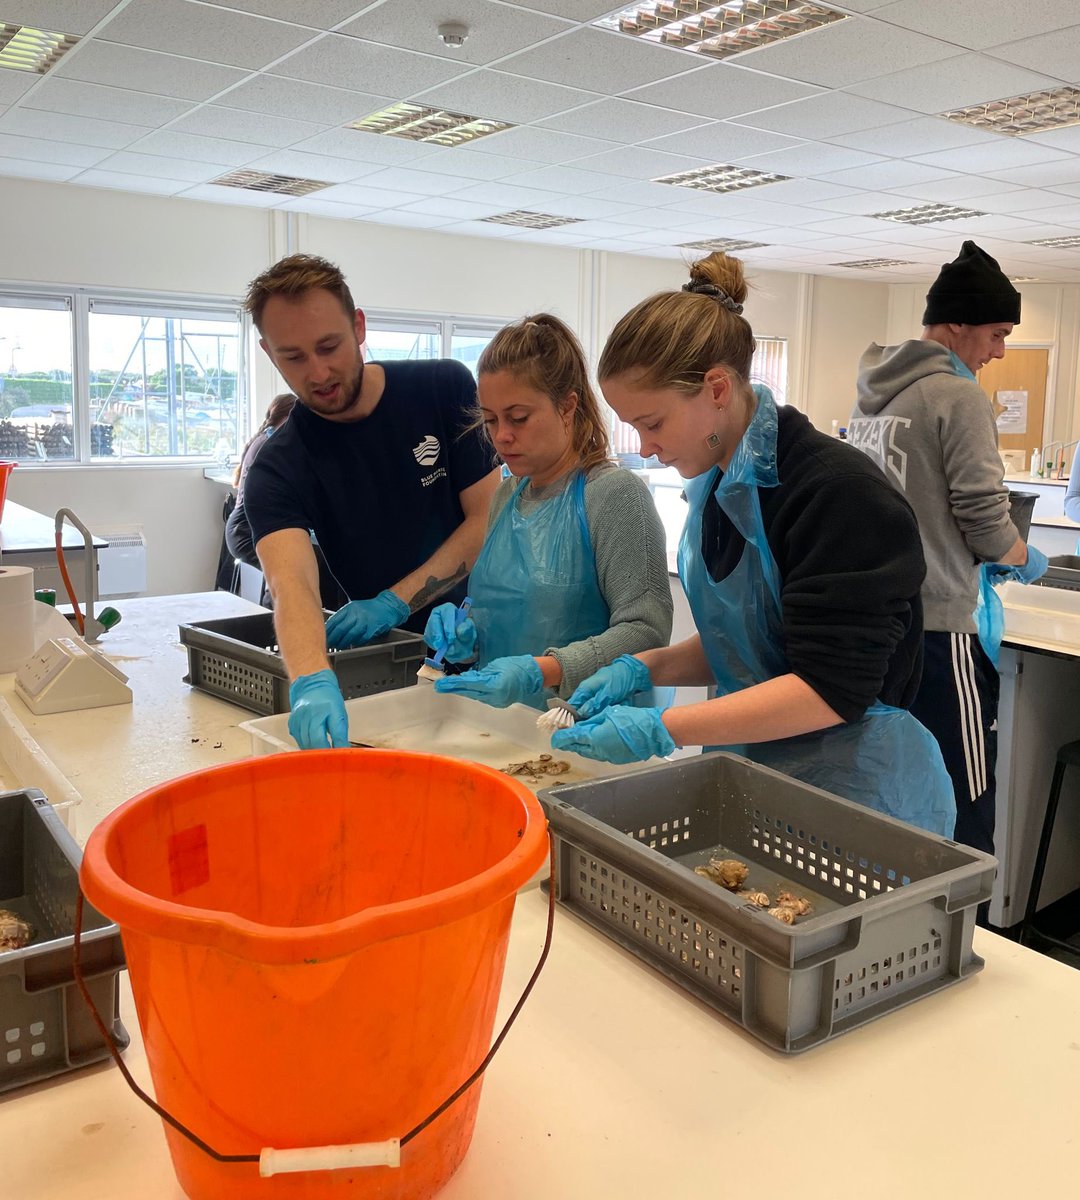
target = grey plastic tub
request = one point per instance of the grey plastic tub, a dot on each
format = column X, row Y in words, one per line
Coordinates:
column 894, row 907
column 237, row 659
column 45, row 1027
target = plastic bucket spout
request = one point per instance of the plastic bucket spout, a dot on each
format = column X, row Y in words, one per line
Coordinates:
column 316, row 945
column 5, row 471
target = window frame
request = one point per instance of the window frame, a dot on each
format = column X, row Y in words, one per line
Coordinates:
column 80, row 301
column 444, row 325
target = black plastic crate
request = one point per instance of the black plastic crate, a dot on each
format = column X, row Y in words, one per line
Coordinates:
column 237, row 659
column 45, row 1027
column 894, row 906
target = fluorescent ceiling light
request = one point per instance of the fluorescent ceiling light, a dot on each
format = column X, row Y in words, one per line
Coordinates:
column 875, row 264
column 531, row 220
column 1036, row 112
column 264, row 181
column 37, row 50
column 928, row 214
column 721, row 245
column 721, row 178
column 1059, row 243
column 719, row 30
column 419, row 124
column 1023, row 279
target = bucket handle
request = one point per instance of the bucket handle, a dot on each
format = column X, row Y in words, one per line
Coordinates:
column 318, row 1158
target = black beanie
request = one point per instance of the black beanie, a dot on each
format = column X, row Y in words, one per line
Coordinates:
column 971, row 290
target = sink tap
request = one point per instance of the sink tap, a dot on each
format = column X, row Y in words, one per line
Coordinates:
column 1065, row 447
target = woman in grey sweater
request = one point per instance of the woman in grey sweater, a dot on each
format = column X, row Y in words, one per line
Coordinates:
column 573, row 572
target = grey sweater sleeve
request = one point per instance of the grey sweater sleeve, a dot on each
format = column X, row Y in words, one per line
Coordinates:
column 975, row 477
column 631, row 565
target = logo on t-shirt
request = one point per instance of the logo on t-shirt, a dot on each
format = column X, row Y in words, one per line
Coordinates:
column 427, row 453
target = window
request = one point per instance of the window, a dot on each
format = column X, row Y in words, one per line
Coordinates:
column 769, row 366
column 110, row 378
column 390, row 338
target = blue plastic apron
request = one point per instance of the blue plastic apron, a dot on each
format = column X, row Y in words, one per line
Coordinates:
column 535, row 584
column 886, row 759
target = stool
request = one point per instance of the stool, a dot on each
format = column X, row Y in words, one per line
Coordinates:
column 1067, row 756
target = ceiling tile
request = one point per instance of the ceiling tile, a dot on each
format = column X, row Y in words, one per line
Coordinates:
column 860, row 203
column 198, row 149
column 970, row 79
column 323, row 208
column 36, row 150
column 1056, row 53
column 623, row 121
column 723, row 142
column 1061, row 139
column 604, row 60
column 1002, row 153
column 1062, row 214
column 503, row 97
column 569, row 180
column 505, row 195
column 807, row 191
column 279, row 97
column 60, row 16
column 316, row 14
column 62, row 127
column 576, row 10
column 420, row 183
column 229, row 195
column 495, row 30
column 105, row 103
column 368, row 147
column 263, row 130
column 147, row 71
column 466, row 163
column 1043, row 175
column 1024, row 201
column 160, row 168
column 645, row 194
column 470, row 228
column 640, row 162
column 199, row 31
column 453, row 209
column 847, row 52
column 380, row 69
column 1067, row 189
column 309, row 166
column 883, row 177
column 923, row 135
column 24, row 169
column 826, row 115
column 408, row 220
column 979, row 23
column 958, row 187
column 745, row 204
column 542, row 145
column 588, row 208
column 13, row 84
column 721, row 90
column 359, row 194
column 131, row 183
column 810, row 158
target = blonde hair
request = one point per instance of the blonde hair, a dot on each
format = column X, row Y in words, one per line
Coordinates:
column 673, row 338
column 543, row 353
column 293, row 277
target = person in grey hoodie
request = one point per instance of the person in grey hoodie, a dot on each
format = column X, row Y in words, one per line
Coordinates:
column 923, row 418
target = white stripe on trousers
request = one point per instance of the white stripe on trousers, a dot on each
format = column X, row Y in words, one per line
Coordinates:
column 967, row 694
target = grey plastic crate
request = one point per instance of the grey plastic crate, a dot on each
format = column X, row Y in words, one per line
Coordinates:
column 894, row 907
column 1063, row 572
column 237, row 659
column 45, row 1027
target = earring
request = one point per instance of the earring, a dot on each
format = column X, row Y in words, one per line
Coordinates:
column 712, row 441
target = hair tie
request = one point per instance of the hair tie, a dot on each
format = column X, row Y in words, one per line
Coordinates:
column 703, row 288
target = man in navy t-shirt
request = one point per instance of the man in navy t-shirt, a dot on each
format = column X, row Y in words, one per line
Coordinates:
column 381, row 462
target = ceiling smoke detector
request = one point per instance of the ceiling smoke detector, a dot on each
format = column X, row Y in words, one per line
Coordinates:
column 453, row 34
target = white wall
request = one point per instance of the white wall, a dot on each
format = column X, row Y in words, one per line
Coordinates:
column 99, row 238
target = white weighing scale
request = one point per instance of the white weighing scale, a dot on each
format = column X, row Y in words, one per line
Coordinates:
column 66, row 673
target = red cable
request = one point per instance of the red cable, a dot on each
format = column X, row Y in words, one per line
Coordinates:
column 67, row 581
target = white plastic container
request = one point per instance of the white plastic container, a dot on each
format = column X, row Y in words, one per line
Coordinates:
column 418, row 718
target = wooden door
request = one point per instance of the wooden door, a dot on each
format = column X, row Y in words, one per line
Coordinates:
column 1022, row 373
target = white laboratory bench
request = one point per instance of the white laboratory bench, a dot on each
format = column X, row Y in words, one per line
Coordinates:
column 613, row 1081
column 28, row 539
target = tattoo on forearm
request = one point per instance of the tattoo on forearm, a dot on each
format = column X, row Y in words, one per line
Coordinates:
column 435, row 587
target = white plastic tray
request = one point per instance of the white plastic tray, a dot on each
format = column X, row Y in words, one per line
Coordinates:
column 418, row 718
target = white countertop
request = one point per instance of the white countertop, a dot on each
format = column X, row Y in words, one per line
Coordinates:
column 24, row 530
column 613, row 1081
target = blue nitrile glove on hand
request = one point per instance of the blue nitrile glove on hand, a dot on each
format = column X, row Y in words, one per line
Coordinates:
column 444, row 632
column 503, row 681
column 361, row 621
column 318, row 712
column 613, row 684
column 618, row 735
column 1033, row 569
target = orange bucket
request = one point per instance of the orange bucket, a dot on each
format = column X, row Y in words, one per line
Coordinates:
column 316, row 945
column 5, row 471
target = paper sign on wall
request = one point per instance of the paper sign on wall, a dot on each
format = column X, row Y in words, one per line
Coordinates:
column 1012, row 411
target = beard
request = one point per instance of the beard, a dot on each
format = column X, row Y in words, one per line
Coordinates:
column 344, row 402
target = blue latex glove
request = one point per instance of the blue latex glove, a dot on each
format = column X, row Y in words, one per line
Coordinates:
column 617, row 735
column 503, row 681
column 444, row 632
column 1033, row 569
column 361, row 621
column 613, row 684
column 318, row 712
